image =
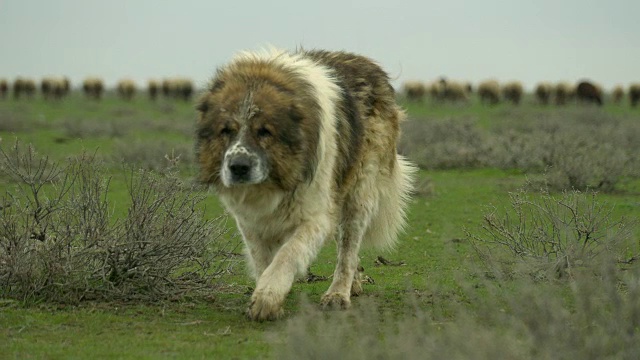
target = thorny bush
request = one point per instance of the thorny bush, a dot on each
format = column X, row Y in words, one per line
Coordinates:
column 60, row 240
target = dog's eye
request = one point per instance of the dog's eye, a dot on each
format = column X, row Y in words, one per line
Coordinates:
column 263, row 132
column 205, row 133
column 226, row 131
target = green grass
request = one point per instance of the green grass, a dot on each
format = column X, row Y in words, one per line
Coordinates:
column 183, row 330
column 439, row 263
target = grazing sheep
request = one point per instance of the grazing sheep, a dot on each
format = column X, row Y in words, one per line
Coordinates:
column 178, row 88
column 414, row 90
column 617, row 94
column 30, row 88
column 126, row 89
column 22, row 86
column 93, row 88
column 436, row 90
column 563, row 93
column 166, row 87
column 153, row 87
column 634, row 94
column 53, row 88
column 455, row 91
column 46, row 87
column 4, row 88
column 489, row 92
column 18, row 84
column 543, row 92
column 512, row 92
column 589, row 93
column 183, row 88
column 66, row 86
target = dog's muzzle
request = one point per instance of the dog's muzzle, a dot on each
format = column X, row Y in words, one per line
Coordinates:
column 242, row 166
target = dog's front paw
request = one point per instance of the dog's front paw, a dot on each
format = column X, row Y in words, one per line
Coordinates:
column 335, row 301
column 264, row 306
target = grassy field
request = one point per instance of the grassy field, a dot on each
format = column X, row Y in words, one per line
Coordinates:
column 434, row 297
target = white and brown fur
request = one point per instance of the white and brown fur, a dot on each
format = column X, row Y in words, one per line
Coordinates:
column 300, row 148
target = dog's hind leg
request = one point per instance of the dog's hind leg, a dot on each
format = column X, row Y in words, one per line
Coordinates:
column 374, row 213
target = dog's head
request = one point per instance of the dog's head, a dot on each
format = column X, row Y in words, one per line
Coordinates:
column 252, row 129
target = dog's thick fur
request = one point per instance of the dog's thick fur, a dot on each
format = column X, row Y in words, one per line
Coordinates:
column 301, row 147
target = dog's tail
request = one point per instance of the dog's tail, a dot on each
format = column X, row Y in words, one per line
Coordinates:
column 393, row 197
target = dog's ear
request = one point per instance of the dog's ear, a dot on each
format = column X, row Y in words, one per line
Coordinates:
column 216, row 84
column 295, row 113
column 202, row 105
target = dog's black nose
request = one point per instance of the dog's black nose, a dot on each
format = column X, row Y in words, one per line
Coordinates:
column 240, row 166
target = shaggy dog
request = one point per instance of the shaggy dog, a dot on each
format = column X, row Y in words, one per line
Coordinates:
column 300, row 148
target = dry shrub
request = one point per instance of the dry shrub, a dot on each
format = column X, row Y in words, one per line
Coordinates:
column 365, row 333
column 60, row 242
column 574, row 148
column 443, row 144
column 583, row 164
column 122, row 123
column 527, row 150
column 550, row 236
column 569, row 158
column 83, row 129
column 595, row 317
column 424, row 187
column 593, row 314
column 598, row 319
column 11, row 122
column 152, row 155
column 170, row 125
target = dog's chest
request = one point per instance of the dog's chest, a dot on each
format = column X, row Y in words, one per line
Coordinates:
column 266, row 216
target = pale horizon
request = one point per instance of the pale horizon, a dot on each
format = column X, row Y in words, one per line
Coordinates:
column 413, row 40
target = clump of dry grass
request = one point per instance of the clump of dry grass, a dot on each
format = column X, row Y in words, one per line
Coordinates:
column 550, row 236
column 573, row 149
column 9, row 122
column 593, row 313
column 83, row 129
column 444, row 144
column 152, row 155
column 424, row 187
column 595, row 317
column 60, row 241
column 583, row 164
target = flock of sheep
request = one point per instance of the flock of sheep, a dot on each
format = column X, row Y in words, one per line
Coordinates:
column 53, row 88
column 491, row 92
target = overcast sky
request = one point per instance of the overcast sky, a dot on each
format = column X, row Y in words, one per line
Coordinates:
column 462, row 39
